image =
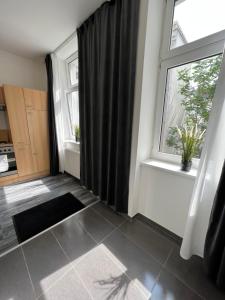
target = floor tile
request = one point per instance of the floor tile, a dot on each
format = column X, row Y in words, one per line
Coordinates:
column 67, row 288
column 73, row 238
column 152, row 242
column 95, row 224
column 169, row 287
column 113, row 217
column 192, row 273
column 139, row 265
column 14, row 279
column 46, row 261
column 104, row 276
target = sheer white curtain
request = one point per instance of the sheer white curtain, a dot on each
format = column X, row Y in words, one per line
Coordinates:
column 59, row 87
column 208, row 176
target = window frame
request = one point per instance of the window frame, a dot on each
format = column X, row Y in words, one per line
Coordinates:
column 69, row 60
column 70, row 89
column 196, row 50
column 68, row 108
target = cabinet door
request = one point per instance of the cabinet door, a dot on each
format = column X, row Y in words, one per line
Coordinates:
column 31, row 97
column 17, row 114
column 43, row 104
column 35, row 100
column 38, row 129
column 24, row 159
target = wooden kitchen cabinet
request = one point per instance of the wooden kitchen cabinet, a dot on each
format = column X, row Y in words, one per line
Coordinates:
column 35, row 100
column 17, row 114
column 2, row 99
column 38, row 130
column 24, row 159
column 28, row 120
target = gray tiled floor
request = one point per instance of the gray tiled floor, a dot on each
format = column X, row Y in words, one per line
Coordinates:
column 97, row 254
column 16, row 198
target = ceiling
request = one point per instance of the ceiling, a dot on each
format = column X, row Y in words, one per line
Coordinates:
column 33, row 28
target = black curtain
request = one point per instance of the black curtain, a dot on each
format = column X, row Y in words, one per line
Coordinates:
column 107, row 43
column 53, row 146
column 214, row 254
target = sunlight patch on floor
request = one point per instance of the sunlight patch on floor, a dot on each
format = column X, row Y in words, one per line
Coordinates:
column 23, row 191
column 104, row 274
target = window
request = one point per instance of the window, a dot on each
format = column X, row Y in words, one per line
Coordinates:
column 196, row 19
column 191, row 57
column 188, row 100
column 73, row 96
column 73, row 107
column 73, row 71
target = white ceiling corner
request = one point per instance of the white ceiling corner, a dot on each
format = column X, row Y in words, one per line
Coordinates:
column 32, row 28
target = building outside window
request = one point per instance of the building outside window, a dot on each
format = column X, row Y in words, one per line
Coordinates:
column 190, row 63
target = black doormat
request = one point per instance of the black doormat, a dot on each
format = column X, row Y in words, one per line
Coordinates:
column 36, row 219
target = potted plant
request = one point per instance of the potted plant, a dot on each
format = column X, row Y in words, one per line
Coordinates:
column 191, row 138
column 77, row 133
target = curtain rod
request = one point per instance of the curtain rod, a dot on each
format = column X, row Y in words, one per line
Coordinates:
column 69, row 38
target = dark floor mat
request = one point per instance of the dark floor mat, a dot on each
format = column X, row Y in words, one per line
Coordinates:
column 36, row 219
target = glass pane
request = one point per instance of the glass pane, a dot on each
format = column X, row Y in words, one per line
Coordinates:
column 195, row 19
column 188, row 100
column 73, row 70
column 73, row 107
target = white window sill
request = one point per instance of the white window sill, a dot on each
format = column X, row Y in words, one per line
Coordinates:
column 72, row 145
column 169, row 167
column 73, row 150
column 72, row 142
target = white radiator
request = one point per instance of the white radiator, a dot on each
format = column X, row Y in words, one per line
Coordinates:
column 72, row 162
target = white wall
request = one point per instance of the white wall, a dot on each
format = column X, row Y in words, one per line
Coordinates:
column 22, row 72
column 72, row 159
column 159, row 195
column 164, row 198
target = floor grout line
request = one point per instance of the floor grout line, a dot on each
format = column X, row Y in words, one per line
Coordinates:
column 123, row 272
column 108, row 235
column 162, row 266
column 184, row 283
column 114, row 229
column 168, row 257
column 61, row 247
column 87, row 232
column 54, row 283
column 97, row 243
column 72, row 266
column 178, row 277
column 140, row 247
column 83, row 283
column 28, row 271
column 95, row 210
column 157, row 279
column 148, row 226
column 64, row 251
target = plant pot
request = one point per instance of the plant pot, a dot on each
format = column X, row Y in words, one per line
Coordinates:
column 77, row 139
column 186, row 166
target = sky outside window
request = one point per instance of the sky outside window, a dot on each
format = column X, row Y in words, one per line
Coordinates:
column 195, row 19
